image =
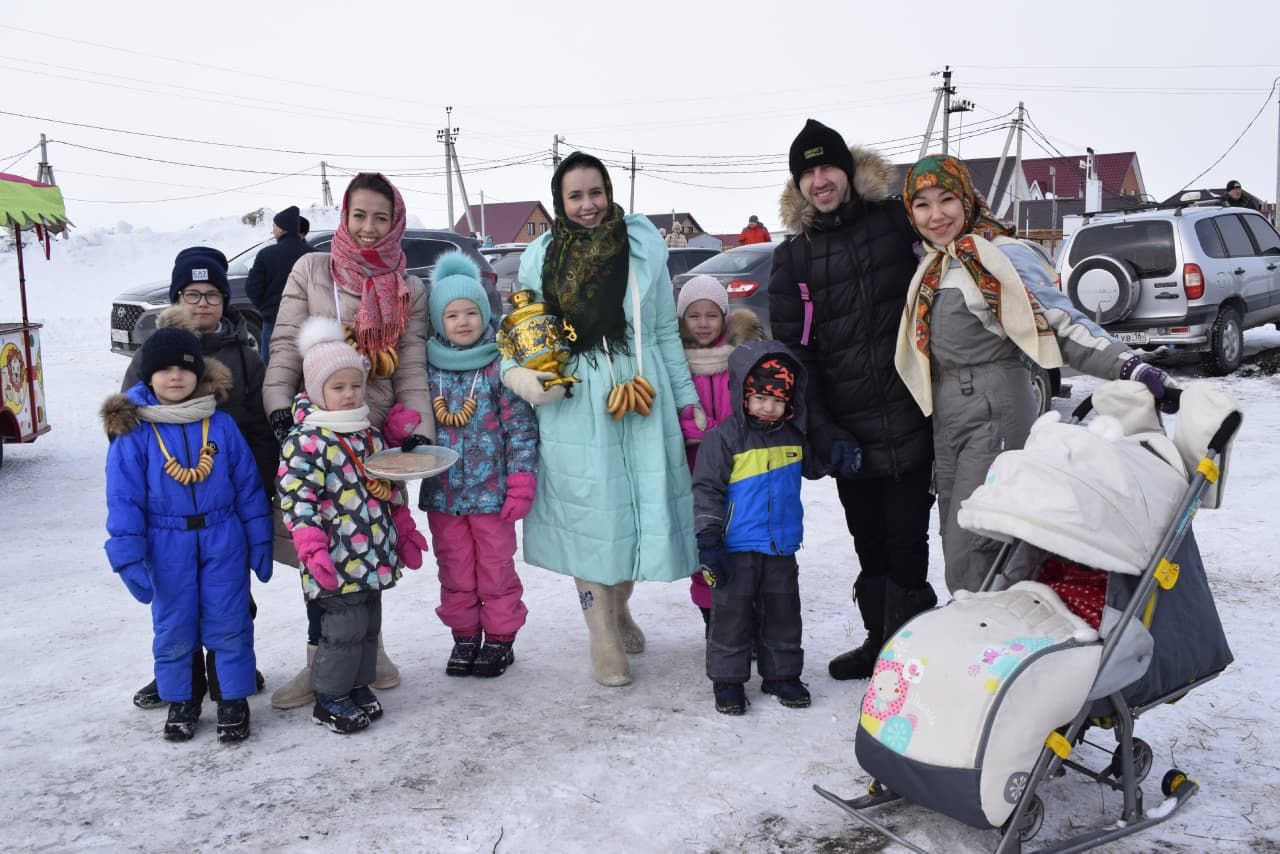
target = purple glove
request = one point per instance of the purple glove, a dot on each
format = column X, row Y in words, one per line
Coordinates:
column 1152, row 377
column 410, row 544
column 313, row 550
column 521, row 488
column 138, row 582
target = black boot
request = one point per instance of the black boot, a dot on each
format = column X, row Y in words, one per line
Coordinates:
column 494, row 659
column 901, row 605
column 858, row 663
column 148, row 697
column 462, row 661
column 233, row 720
column 181, row 723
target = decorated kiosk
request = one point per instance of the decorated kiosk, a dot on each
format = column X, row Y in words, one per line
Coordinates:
column 25, row 205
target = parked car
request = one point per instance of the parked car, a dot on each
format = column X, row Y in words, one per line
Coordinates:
column 744, row 272
column 505, row 258
column 682, row 259
column 1185, row 277
column 134, row 312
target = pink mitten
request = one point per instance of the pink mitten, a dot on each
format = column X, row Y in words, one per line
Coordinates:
column 521, row 488
column 410, row 544
column 401, row 421
column 313, row 550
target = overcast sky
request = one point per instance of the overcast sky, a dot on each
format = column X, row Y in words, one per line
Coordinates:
column 709, row 95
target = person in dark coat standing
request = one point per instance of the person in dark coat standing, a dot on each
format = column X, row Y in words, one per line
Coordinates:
column 271, row 268
column 200, row 295
column 1236, row 197
column 836, row 293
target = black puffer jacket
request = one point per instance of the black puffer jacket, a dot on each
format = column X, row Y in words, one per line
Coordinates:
column 230, row 346
column 857, row 262
column 271, row 268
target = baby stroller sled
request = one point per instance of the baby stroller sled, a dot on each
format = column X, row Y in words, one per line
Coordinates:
column 1096, row 610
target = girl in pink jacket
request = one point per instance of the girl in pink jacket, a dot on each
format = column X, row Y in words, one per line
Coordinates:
column 710, row 333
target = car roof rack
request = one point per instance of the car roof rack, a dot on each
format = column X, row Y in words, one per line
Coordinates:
column 1177, row 207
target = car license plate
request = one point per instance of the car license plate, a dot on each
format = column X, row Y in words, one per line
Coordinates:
column 1132, row 337
column 120, row 336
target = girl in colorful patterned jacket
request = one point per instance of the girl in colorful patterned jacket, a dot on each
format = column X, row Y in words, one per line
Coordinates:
column 352, row 532
column 710, row 333
column 473, row 507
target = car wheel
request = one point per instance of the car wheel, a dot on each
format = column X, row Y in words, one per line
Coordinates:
column 1105, row 289
column 1226, row 343
column 1041, row 390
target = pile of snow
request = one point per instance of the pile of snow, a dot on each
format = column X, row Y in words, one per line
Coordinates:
column 541, row 758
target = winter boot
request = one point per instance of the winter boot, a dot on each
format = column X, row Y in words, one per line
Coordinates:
column 790, row 692
column 367, row 701
column 608, row 659
column 632, row 637
column 259, row 680
column 462, row 661
column 387, row 674
column 297, row 691
column 731, row 698
column 181, row 723
column 338, row 714
column 233, row 720
column 495, row 658
column 858, row 663
column 901, row 605
column 148, row 696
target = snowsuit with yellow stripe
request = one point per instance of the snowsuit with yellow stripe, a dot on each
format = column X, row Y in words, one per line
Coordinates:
column 746, row 488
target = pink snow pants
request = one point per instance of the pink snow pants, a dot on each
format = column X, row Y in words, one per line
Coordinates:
column 479, row 588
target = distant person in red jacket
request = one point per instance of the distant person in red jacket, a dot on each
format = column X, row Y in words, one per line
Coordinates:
column 755, row 232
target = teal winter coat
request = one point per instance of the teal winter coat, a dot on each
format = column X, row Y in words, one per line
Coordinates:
column 614, row 499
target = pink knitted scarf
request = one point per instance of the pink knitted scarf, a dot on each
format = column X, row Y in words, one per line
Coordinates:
column 376, row 275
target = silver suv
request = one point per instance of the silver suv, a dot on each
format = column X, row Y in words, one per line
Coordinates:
column 1186, row 277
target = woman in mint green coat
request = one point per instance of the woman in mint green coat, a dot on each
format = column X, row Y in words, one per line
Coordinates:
column 614, row 503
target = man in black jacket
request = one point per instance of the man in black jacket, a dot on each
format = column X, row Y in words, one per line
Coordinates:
column 271, row 268
column 836, row 294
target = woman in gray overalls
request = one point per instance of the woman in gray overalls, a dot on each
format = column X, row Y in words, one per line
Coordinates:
column 981, row 308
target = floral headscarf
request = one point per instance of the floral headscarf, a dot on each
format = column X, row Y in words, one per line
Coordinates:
column 584, row 274
column 376, row 275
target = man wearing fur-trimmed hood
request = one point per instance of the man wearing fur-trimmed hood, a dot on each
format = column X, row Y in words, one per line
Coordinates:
column 835, row 295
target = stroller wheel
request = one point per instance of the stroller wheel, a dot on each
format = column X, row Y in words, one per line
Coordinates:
column 1032, row 820
column 1173, row 780
column 1142, row 761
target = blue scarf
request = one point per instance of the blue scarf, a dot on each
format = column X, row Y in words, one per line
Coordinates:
column 443, row 354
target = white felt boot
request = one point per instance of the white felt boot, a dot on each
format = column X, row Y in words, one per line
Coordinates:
column 608, row 660
column 387, row 675
column 632, row 636
column 297, row 691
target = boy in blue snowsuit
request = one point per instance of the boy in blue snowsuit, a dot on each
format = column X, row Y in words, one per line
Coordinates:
column 187, row 516
column 749, row 524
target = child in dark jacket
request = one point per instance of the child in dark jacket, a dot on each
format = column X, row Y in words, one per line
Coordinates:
column 709, row 333
column 352, row 532
column 473, row 507
column 749, row 524
column 187, row 518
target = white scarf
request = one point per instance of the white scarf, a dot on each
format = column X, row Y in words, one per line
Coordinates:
column 190, row 410
column 339, row 420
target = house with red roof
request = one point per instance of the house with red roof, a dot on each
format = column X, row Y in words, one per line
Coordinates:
column 507, row 222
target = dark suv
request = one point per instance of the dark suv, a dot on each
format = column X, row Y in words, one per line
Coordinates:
column 1185, row 277
column 134, row 312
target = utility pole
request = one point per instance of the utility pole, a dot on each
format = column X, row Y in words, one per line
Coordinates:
column 483, row 232
column 556, row 139
column 995, row 179
column 947, row 91
column 1055, row 233
column 631, row 208
column 462, row 188
column 1275, row 211
column 447, row 136
column 326, row 195
column 45, row 173
column 933, row 116
column 1017, row 168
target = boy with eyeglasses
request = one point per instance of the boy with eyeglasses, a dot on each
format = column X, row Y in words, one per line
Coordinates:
column 201, row 297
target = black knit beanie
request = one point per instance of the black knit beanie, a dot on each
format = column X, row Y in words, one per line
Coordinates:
column 199, row 264
column 288, row 220
column 168, row 346
column 819, row 145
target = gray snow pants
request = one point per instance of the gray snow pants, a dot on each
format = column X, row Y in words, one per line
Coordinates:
column 979, row 411
column 347, row 656
column 762, row 597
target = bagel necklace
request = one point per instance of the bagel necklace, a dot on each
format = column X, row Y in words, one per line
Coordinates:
column 204, row 465
column 440, row 407
column 378, row 488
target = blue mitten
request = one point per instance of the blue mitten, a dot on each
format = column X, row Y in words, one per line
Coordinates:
column 712, row 560
column 138, row 582
column 846, row 457
column 261, row 560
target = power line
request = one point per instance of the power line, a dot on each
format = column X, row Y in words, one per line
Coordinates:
column 176, row 162
column 1261, row 109
column 17, row 158
column 183, row 198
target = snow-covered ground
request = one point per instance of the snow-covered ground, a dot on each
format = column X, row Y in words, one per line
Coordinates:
column 541, row 759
